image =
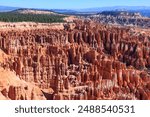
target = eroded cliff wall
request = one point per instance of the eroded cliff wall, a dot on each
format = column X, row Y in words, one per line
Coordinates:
column 89, row 61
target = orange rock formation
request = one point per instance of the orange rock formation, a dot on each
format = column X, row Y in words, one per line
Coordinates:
column 88, row 61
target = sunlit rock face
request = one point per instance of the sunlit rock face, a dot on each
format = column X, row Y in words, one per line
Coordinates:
column 123, row 18
column 87, row 62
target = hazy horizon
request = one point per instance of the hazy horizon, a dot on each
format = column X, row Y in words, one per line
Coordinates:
column 73, row 4
column 74, row 8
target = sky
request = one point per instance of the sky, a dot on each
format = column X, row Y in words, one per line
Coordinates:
column 72, row 4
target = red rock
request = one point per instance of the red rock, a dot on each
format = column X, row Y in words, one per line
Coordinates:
column 89, row 61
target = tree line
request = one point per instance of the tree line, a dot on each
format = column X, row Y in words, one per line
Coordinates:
column 41, row 18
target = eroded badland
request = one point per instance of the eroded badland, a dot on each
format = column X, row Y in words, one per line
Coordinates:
column 81, row 60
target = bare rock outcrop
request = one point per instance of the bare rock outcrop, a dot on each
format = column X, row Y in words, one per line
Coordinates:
column 90, row 61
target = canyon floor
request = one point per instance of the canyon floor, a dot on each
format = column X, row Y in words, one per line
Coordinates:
column 75, row 60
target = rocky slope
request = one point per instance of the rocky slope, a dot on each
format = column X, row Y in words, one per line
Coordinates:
column 122, row 18
column 85, row 60
column 12, row 87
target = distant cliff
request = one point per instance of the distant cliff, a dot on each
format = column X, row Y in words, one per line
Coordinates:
column 123, row 18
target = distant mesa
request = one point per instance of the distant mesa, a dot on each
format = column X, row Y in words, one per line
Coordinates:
column 31, row 15
column 121, row 13
column 33, row 11
column 122, row 18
